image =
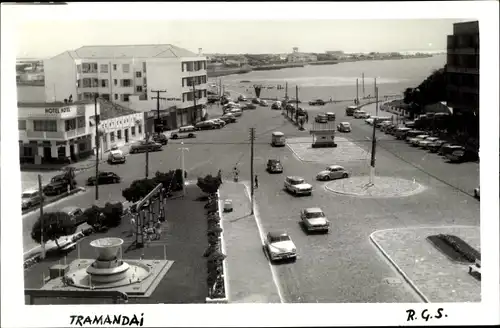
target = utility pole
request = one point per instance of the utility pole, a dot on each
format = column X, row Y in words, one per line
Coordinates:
column 252, row 138
column 363, row 83
column 374, row 145
column 183, row 168
column 375, row 86
column 40, row 190
column 96, row 148
column 357, row 93
column 158, row 124
column 194, row 101
column 376, row 101
column 286, row 90
column 147, row 155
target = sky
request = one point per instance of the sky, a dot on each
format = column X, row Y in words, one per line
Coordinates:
column 42, row 38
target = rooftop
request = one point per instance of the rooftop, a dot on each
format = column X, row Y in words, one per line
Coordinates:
column 53, row 104
column 131, row 51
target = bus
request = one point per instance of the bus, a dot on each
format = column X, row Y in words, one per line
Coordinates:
column 349, row 111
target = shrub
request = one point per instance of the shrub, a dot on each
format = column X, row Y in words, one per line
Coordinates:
column 55, row 226
column 112, row 214
column 209, row 184
column 138, row 189
column 93, row 216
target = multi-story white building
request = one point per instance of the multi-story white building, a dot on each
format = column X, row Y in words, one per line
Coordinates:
column 127, row 75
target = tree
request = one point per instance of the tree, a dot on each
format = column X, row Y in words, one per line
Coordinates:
column 209, row 184
column 93, row 216
column 138, row 189
column 112, row 214
column 55, row 226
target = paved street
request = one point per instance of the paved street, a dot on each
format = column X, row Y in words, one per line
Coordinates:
column 342, row 266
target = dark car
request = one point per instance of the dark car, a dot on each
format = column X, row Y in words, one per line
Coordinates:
column 256, row 101
column 316, row 102
column 448, row 148
column 462, row 155
column 160, row 138
column 242, row 98
column 143, row 146
column 104, row 178
column 249, row 106
column 435, row 146
column 274, row 166
column 389, row 129
column 228, row 118
column 75, row 214
column 206, row 125
column 58, row 184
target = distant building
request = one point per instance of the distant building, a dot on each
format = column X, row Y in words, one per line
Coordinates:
column 336, row 53
column 462, row 67
column 126, row 74
column 300, row 57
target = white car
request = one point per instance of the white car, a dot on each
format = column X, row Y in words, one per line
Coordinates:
column 279, row 246
column 424, row 143
column 344, row 127
column 332, row 172
column 236, row 112
column 314, row 219
column 417, row 139
column 297, row 186
column 361, row 114
column 370, row 120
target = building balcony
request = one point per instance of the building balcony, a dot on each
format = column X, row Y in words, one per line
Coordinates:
column 58, row 135
column 201, row 72
column 187, row 88
column 462, row 70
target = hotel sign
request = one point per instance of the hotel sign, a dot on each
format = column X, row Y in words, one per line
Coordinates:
column 57, row 110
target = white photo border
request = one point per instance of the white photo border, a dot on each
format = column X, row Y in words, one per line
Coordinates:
column 16, row 314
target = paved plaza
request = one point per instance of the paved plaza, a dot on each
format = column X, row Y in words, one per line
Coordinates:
column 346, row 151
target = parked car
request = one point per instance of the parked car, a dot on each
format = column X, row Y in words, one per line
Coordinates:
column 57, row 185
column 184, row 132
column 330, row 116
column 225, row 100
column 116, row 156
column 160, row 138
column 370, row 120
column 104, row 178
column 383, row 125
column 248, row 106
column 436, row 145
column 332, row 172
column 219, row 123
column 228, row 118
column 142, row 146
column 276, row 105
column 381, row 120
column 263, row 103
column 274, row 166
column 242, row 98
column 416, row 140
column 462, row 155
column 449, row 148
column 400, row 133
column 314, row 219
column 279, row 246
column 360, row 114
column 388, row 127
column 297, row 186
column 426, row 142
column 344, row 127
column 30, row 198
column 476, row 192
column 256, row 101
column 317, row 102
column 321, row 118
column 75, row 214
column 236, row 112
column 412, row 134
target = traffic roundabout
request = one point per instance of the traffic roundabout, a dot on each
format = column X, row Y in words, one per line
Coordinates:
column 383, row 187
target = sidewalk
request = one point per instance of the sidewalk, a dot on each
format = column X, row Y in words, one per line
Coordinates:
column 248, row 270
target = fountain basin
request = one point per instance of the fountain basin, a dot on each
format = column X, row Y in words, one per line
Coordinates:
column 107, row 248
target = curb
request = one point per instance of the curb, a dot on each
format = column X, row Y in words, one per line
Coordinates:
column 297, row 156
column 420, row 189
column 401, row 272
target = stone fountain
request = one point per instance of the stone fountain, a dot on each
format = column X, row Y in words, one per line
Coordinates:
column 137, row 278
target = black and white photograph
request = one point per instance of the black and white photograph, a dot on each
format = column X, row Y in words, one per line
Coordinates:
column 259, row 154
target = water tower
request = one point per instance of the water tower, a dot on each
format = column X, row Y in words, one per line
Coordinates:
column 295, row 50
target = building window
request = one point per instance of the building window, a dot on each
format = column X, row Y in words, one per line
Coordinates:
column 95, row 83
column 112, row 136
column 81, row 146
column 70, row 125
column 139, row 129
column 144, row 81
column 144, row 67
column 116, row 96
column 138, row 74
column 78, row 83
column 125, row 97
column 80, row 97
column 105, row 96
column 45, row 125
column 80, row 122
column 138, row 88
column 126, row 68
column 87, row 83
column 114, row 67
column 104, row 83
column 132, row 130
column 125, row 83
column 104, row 68
column 119, row 134
column 115, row 81
column 21, row 124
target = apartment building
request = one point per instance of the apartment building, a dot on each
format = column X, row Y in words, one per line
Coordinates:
column 462, row 69
column 127, row 75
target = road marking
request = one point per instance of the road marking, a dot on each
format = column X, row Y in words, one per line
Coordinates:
column 261, row 232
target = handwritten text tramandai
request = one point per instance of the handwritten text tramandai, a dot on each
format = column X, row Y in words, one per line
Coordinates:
column 100, row 320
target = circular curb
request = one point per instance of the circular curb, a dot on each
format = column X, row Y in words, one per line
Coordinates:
column 401, row 272
column 418, row 190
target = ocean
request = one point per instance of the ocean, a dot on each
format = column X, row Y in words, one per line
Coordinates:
column 339, row 80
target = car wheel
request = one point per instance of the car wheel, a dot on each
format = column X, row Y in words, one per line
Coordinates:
column 345, row 175
column 117, row 180
column 190, row 135
column 175, row 136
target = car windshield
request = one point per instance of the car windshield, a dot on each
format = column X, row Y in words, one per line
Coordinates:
column 297, row 182
column 277, row 239
column 315, row 215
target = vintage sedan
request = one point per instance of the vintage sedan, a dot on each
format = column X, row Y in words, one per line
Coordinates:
column 415, row 140
column 279, row 246
column 462, row 155
column 436, row 145
column 228, row 118
column 297, row 186
column 344, row 127
column 317, row 102
column 31, row 198
column 274, row 166
column 314, row 219
column 276, row 105
column 361, row 114
column 160, row 138
column 426, row 142
column 206, row 125
column 332, row 172
column 321, row 118
column 143, row 146
column 104, row 178
column 184, row 132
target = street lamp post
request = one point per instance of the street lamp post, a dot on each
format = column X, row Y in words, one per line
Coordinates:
column 96, row 148
column 182, row 149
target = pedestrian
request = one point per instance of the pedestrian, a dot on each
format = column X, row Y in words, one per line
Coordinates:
column 219, row 176
column 158, row 229
column 256, row 182
column 307, row 118
column 133, row 226
column 331, row 99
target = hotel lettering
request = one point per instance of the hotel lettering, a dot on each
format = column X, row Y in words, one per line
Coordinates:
column 57, row 110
